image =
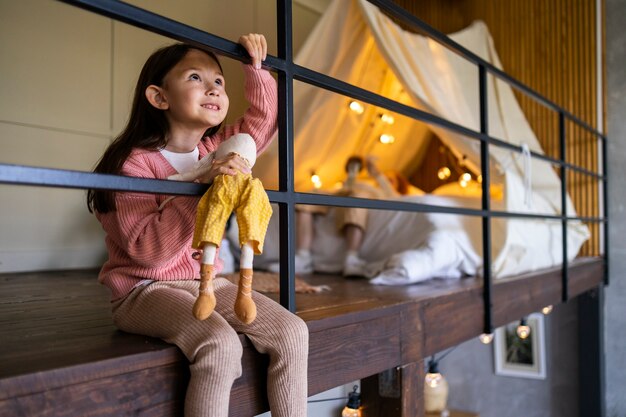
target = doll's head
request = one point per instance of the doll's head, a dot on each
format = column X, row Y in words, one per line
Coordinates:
column 241, row 144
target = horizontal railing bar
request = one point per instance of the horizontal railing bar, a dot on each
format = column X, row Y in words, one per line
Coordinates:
column 584, row 125
column 417, row 24
column 53, row 177
column 335, row 85
column 341, row 87
column 167, row 27
column 340, row 201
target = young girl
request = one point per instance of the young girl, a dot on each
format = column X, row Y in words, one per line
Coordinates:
column 179, row 105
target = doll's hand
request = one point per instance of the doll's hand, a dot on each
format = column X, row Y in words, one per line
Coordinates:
column 199, row 169
column 229, row 165
column 256, row 46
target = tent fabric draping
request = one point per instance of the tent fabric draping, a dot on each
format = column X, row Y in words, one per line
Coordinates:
column 356, row 43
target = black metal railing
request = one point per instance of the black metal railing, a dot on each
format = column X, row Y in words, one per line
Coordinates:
column 286, row 197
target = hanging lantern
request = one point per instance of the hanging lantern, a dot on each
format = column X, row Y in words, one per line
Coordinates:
column 353, row 407
column 523, row 330
column 435, row 389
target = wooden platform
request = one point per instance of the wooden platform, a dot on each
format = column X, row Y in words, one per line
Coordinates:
column 60, row 354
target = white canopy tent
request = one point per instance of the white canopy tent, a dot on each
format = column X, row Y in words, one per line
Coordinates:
column 356, row 43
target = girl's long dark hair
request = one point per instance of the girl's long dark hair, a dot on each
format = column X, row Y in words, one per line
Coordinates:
column 147, row 127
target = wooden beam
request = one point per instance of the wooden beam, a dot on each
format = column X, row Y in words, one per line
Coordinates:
column 397, row 392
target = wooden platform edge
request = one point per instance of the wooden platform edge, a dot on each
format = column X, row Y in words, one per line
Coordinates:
column 343, row 348
column 343, row 351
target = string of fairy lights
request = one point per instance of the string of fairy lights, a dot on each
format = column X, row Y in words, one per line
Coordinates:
column 434, row 382
column 451, row 164
column 523, row 329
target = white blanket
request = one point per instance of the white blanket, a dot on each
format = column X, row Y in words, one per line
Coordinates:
column 400, row 247
column 406, row 247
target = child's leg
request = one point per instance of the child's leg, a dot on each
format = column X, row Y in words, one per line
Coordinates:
column 352, row 222
column 244, row 305
column 282, row 335
column 162, row 309
column 354, row 238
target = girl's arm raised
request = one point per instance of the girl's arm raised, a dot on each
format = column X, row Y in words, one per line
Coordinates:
column 259, row 120
column 260, row 88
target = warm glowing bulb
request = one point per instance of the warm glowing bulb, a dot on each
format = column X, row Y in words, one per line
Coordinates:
column 435, row 389
column 386, row 139
column 351, row 412
column 353, row 407
column 466, row 176
column 486, row 338
column 479, row 179
column 387, row 118
column 523, row 331
column 444, row 173
column 357, row 107
column 316, row 180
column 433, row 379
column 547, row 309
column 462, row 183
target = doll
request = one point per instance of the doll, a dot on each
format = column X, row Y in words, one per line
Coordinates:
column 244, row 195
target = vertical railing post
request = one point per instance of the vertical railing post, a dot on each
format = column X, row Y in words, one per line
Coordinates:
column 563, row 171
column 486, row 196
column 605, row 208
column 285, row 155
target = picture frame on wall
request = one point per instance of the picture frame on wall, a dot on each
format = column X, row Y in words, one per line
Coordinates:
column 525, row 358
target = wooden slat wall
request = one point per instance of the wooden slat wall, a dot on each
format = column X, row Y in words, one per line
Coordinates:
column 549, row 45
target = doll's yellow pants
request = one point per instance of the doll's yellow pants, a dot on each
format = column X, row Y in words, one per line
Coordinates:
column 239, row 193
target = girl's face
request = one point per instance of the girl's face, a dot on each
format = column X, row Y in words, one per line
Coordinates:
column 195, row 93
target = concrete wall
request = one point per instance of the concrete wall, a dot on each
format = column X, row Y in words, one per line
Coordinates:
column 470, row 372
column 615, row 294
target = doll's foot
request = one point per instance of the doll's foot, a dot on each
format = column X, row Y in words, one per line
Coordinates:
column 245, row 309
column 205, row 303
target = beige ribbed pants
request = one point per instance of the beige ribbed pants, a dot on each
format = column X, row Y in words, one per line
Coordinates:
column 163, row 309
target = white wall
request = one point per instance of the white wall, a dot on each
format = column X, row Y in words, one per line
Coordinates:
column 65, row 92
column 55, row 111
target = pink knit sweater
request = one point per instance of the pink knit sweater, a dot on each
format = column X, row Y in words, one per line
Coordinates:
column 147, row 243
